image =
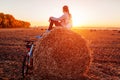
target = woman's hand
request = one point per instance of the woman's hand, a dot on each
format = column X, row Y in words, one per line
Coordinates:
column 50, row 19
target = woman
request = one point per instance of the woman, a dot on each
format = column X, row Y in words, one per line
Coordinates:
column 64, row 21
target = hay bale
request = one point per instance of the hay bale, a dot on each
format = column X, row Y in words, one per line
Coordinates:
column 61, row 53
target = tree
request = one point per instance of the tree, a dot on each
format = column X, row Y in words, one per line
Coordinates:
column 8, row 21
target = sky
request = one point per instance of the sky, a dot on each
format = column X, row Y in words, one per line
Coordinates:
column 90, row 13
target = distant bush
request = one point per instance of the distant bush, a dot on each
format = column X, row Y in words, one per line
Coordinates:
column 8, row 21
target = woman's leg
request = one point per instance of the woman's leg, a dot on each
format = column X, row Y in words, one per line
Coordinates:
column 52, row 22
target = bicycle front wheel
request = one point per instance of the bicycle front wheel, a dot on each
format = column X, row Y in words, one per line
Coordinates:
column 25, row 66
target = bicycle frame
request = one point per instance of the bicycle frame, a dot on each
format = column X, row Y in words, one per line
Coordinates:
column 28, row 60
column 30, row 53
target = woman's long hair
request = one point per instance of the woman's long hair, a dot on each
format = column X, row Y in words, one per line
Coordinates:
column 66, row 9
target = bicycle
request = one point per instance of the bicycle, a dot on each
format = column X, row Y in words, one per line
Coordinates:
column 28, row 58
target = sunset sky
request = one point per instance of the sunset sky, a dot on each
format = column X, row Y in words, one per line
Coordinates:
column 93, row 13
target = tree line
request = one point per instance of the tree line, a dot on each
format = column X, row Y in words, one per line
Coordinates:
column 8, row 21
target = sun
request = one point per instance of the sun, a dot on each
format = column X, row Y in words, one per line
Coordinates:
column 79, row 20
column 76, row 22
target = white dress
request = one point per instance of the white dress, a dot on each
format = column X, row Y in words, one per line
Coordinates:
column 65, row 19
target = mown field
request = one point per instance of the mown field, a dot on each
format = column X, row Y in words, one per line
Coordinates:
column 105, row 46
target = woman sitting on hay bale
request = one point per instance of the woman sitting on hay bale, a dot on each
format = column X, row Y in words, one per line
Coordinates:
column 64, row 21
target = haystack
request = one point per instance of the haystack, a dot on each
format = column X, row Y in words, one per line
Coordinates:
column 61, row 53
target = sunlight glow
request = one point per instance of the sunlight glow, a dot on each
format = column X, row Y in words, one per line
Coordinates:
column 79, row 20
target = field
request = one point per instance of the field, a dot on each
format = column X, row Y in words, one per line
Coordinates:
column 104, row 44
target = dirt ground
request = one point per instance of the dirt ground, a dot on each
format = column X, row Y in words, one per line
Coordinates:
column 105, row 46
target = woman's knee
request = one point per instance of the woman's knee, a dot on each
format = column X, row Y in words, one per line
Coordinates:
column 50, row 19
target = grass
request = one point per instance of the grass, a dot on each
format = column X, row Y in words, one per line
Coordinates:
column 104, row 44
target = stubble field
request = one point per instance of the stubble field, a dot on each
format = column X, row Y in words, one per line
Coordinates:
column 104, row 44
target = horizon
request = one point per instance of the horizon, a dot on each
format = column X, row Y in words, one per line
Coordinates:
column 94, row 13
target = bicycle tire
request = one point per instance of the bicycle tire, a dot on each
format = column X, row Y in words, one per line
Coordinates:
column 25, row 66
